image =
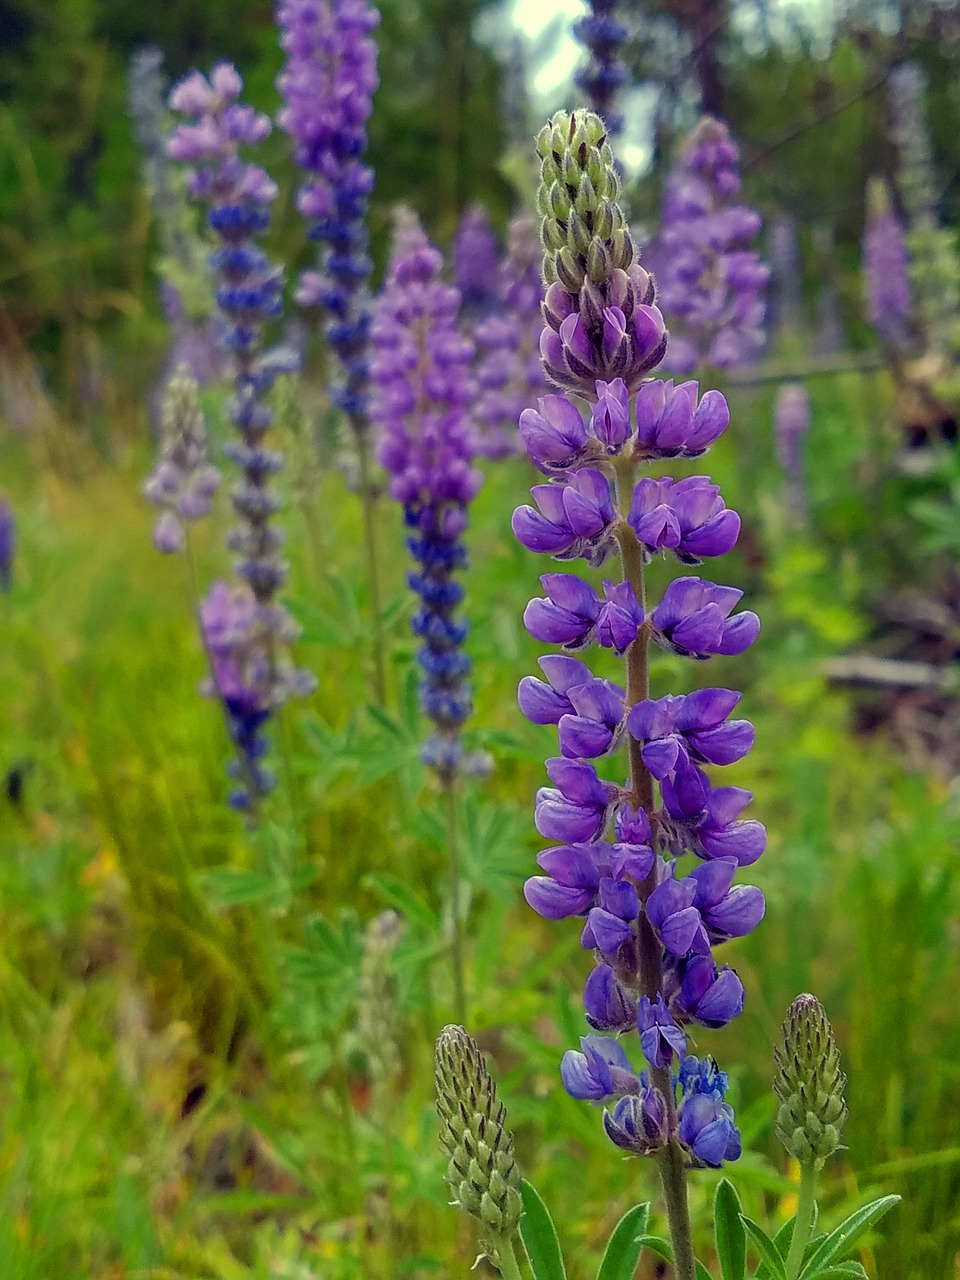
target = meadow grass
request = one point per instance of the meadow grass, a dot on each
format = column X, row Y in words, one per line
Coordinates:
column 183, row 1090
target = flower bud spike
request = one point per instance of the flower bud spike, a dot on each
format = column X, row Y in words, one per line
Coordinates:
column 809, row 1083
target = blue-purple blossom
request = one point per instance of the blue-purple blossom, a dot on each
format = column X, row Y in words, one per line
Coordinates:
column 652, row 927
column 886, row 267
column 420, row 374
column 710, row 283
column 7, row 545
column 791, row 422
column 603, row 35
column 476, row 261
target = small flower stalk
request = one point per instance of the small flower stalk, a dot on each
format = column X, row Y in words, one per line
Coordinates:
column 710, row 281
column 791, row 423
column 8, row 545
column 238, row 196
column 809, row 1084
column 603, row 35
column 509, row 373
column 886, row 265
column 377, row 1013
column 617, row 851
column 183, row 483
column 482, row 1172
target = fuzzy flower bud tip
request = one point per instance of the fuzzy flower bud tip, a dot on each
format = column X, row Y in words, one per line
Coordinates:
column 482, row 1173
column 809, row 1083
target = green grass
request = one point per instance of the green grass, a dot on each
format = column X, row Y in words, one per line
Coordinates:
column 153, row 949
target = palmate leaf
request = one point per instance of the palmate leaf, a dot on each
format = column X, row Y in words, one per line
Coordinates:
column 729, row 1232
column 844, row 1237
column 539, row 1236
column 624, row 1247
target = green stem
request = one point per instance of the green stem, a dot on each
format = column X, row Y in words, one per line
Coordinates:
column 804, row 1219
column 368, row 501
column 450, row 797
column 507, row 1261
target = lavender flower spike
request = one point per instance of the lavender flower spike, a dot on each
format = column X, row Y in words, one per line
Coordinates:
column 421, row 390
column 886, row 268
column 328, row 84
column 238, row 196
column 711, row 282
column 183, row 482
column 603, row 34
column 653, row 927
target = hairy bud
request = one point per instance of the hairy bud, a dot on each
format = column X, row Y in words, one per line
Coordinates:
column 809, row 1083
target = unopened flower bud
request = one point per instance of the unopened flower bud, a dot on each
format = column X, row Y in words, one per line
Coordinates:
column 809, row 1083
column 482, row 1174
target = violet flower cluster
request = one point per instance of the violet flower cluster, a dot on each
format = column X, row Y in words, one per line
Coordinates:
column 710, row 281
column 476, row 262
column 420, row 375
column 603, row 34
column 249, row 289
column 616, row 852
column 183, row 482
column 509, row 373
column 328, row 84
column 886, row 266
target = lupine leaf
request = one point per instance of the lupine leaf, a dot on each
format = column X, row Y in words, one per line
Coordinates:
column 851, row 1269
column 664, row 1249
column 730, row 1235
column 842, row 1238
column 765, row 1247
column 539, row 1236
column 398, row 894
column 623, row 1249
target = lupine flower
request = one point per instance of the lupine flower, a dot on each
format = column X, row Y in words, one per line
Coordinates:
column 786, row 268
column 476, row 261
column 603, row 34
column 7, row 545
column 183, row 482
column 791, row 422
column 508, row 369
column 239, row 195
column 710, row 282
column 328, row 84
column 886, row 268
column 630, row 891
column 421, row 383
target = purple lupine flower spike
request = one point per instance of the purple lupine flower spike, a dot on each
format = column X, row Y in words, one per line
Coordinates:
column 476, row 261
column 249, row 288
column 886, row 268
column 328, row 83
column 710, row 281
column 420, row 373
column 603, row 34
column 183, row 482
column 8, row 542
column 618, row 860
column 791, row 423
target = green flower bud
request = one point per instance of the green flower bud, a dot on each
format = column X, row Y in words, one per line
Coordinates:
column 377, row 1013
column 482, row 1173
column 809, row 1083
column 578, row 200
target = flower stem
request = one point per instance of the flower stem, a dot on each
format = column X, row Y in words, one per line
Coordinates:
column 507, row 1261
column 368, row 500
column 804, row 1219
column 450, row 798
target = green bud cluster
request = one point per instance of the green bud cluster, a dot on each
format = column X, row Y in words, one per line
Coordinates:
column 809, row 1083
column 482, row 1173
column 584, row 232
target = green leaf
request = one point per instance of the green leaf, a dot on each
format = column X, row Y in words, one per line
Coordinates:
column 844, row 1237
column 234, row 887
column 854, row 1270
column 730, row 1235
column 539, row 1236
column 623, row 1249
column 765, row 1247
column 393, row 891
column 783, row 1239
column 664, row 1249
